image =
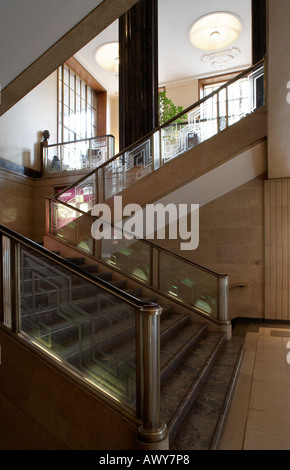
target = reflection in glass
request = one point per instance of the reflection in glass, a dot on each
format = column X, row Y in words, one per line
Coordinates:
column 80, row 324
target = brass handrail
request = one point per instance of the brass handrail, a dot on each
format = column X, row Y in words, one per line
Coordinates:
column 144, row 240
column 134, row 301
column 222, row 279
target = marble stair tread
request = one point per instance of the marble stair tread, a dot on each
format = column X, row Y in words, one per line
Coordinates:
column 175, row 349
column 183, row 381
column 202, row 426
column 172, row 325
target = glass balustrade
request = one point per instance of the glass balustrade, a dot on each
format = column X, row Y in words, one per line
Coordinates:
column 127, row 168
column 86, row 323
column 78, row 155
column 83, row 196
column 80, row 324
column 198, row 123
column 188, row 283
column 71, row 225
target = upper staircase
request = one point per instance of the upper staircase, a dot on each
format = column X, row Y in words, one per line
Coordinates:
column 201, row 138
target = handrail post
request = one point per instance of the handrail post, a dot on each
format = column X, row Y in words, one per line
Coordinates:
column 1, row 281
column 222, row 298
column 152, row 432
column 48, row 204
column 15, row 285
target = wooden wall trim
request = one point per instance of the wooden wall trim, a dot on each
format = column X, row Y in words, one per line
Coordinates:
column 76, row 67
column 277, row 249
column 88, row 28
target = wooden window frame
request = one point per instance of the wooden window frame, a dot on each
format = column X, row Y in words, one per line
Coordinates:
column 99, row 92
column 215, row 80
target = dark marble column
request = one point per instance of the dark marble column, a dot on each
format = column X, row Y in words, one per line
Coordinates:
column 259, row 30
column 138, row 71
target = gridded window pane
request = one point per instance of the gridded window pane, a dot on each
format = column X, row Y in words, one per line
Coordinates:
column 72, row 81
column 66, row 95
column 78, row 85
column 89, row 97
column 72, row 100
column 76, row 113
column 66, row 75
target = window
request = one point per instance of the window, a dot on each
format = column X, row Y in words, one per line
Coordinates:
column 234, row 101
column 77, row 107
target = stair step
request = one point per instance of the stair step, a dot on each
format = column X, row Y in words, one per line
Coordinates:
column 182, row 386
column 173, row 352
column 202, row 426
column 171, row 324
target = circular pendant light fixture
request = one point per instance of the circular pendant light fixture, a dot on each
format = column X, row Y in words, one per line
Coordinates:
column 215, row 31
column 107, row 56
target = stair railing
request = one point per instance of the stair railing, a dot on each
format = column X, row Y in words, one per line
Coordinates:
column 190, row 285
column 197, row 123
column 33, row 278
column 77, row 154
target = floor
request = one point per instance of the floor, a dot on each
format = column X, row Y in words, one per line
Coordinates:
column 259, row 415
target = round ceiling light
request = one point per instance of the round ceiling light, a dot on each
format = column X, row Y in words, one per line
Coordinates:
column 215, row 31
column 107, row 56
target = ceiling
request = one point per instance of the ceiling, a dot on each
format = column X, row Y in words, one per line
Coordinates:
column 179, row 61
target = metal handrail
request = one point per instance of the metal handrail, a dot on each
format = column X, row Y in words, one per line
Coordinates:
column 80, row 140
column 170, row 121
column 148, row 242
column 222, row 279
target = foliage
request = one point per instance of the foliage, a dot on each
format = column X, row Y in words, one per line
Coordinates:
column 168, row 110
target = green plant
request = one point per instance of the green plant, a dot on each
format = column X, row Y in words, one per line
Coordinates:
column 168, row 110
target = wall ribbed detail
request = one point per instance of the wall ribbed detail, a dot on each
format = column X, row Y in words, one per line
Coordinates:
column 277, row 249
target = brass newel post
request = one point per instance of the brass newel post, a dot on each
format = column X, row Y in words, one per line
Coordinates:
column 152, row 430
column 223, row 295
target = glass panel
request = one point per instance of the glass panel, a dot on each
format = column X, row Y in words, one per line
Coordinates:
column 72, row 226
column 79, row 154
column 81, row 325
column 82, row 196
column 156, row 144
column 128, row 168
column 66, row 75
column 132, row 257
column 188, row 283
column 72, row 80
column 66, row 95
column 78, row 85
column 222, row 109
column 72, row 101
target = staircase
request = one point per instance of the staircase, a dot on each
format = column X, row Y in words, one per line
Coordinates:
column 198, row 366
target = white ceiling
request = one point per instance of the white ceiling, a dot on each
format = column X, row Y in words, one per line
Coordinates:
column 179, row 61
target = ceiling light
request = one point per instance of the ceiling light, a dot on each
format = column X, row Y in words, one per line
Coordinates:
column 107, row 56
column 215, row 31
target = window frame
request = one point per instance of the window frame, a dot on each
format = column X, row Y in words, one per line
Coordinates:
column 98, row 100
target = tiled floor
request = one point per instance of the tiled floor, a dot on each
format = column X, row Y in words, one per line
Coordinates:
column 259, row 416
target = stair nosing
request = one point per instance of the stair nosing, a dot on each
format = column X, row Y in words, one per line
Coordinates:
column 227, row 400
column 188, row 399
